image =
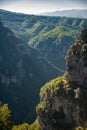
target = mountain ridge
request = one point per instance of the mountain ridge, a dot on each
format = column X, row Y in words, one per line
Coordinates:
column 47, row 34
column 75, row 13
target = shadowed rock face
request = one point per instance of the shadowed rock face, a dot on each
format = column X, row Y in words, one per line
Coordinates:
column 22, row 71
column 63, row 101
column 76, row 60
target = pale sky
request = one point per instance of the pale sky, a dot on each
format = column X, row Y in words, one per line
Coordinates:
column 39, row 6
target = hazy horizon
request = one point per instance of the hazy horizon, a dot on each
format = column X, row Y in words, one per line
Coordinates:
column 40, row 6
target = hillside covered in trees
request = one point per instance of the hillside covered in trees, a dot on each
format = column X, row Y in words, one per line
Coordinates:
column 51, row 35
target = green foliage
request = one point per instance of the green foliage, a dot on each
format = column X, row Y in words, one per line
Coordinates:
column 80, row 128
column 7, row 124
column 5, row 118
column 26, row 126
column 53, row 87
column 23, row 126
column 59, row 86
column 35, row 126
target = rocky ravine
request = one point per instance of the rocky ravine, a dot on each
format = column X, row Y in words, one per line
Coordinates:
column 22, row 71
column 63, row 101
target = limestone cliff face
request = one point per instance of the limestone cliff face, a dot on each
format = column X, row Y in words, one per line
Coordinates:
column 76, row 60
column 63, row 101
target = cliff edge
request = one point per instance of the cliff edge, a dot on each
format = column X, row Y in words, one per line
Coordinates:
column 63, row 101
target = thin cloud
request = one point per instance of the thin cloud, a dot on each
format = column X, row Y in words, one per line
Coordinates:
column 38, row 6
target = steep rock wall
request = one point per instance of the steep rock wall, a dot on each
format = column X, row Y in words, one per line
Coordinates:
column 63, row 101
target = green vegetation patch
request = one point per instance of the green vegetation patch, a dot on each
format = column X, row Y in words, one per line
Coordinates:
column 59, row 86
column 52, row 86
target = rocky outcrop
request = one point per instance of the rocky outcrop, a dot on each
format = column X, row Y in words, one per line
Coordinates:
column 76, row 60
column 63, row 101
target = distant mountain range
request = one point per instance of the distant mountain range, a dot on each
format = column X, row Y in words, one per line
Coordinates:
column 74, row 13
column 2, row 10
column 67, row 13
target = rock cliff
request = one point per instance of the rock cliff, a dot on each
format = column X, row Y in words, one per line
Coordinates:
column 63, row 101
column 76, row 60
